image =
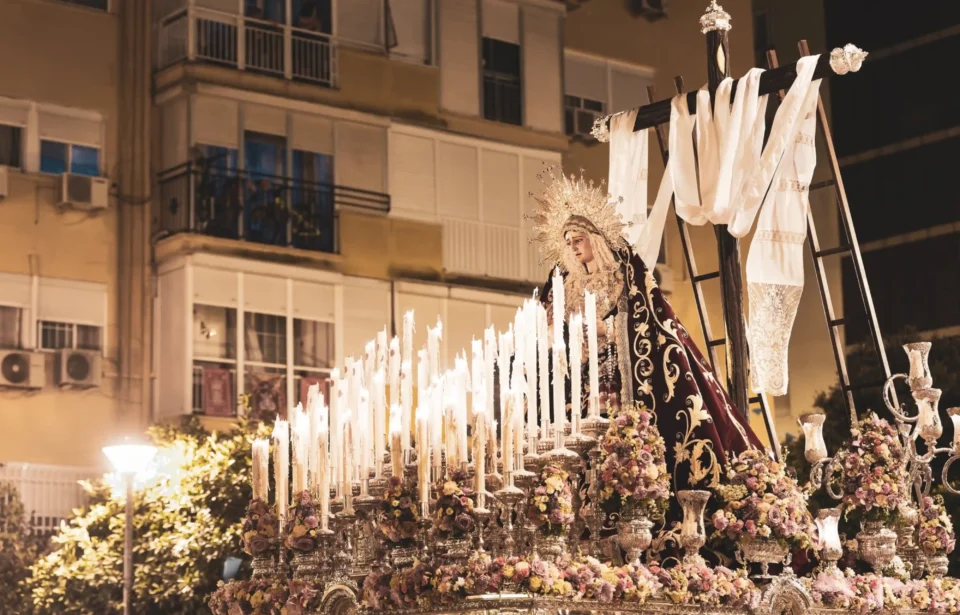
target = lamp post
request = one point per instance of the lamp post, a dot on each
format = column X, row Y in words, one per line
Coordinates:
column 129, row 460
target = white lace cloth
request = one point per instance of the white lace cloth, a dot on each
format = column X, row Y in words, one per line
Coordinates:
column 727, row 180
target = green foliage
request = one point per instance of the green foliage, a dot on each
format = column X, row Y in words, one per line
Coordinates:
column 187, row 521
column 19, row 549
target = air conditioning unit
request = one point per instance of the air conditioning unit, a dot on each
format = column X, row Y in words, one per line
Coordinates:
column 78, row 368
column 84, row 192
column 4, row 181
column 21, row 369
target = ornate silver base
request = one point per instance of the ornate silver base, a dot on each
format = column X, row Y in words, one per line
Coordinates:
column 552, row 546
column 454, row 550
column 264, row 565
column 877, row 545
column 402, row 557
column 634, row 534
column 306, row 565
column 763, row 551
column 937, row 565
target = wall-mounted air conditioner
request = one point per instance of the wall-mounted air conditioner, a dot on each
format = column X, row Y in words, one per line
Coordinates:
column 84, row 192
column 21, row 369
column 78, row 368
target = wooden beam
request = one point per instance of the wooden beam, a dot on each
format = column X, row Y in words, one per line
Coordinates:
column 771, row 81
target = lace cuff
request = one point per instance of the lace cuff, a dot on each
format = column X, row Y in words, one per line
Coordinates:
column 773, row 309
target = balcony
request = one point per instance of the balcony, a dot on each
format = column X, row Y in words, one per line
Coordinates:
column 244, row 43
column 264, row 209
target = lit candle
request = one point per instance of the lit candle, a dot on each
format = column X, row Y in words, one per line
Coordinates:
column 347, row 488
column 530, row 368
column 590, row 314
column 480, row 446
column 300, row 431
column 434, row 336
column 507, row 434
column 408, row 329
column 462, row 381
column 503, row 365
column 517, row 417
column 356, row 435
column 492, row 441
column 814, row 447
column 396, row 453
column 450, row 427
column 336, row 402
column 828, row 522
column 559, row 307
column 576, row 352
column 382, row 350
column 423, row 448
column 323, row 467
column 281, row 467
column 315, row 402
column 365, row 427
column 477, row 368
column 393, row 370
column 369, row 362
column 489, row 361
column 261, row 469
column 543, row 361
column 436, row 425
column 406, row 403
column 954, row 414
column 379, row 421
column 559, row 411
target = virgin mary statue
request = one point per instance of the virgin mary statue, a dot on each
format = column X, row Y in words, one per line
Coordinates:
column 648, row 357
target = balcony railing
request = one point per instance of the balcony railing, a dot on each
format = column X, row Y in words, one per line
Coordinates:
column 266, row 209
column 244, row 43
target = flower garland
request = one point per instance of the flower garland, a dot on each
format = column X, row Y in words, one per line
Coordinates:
column 551, row 507
column 874, row 476
column 936, row 534
column 454, row 509
column 693, row 583
column 633, row 464
column 398, row 522
column 260, row 526
column 250, row 596
column 870, row 593
column 762, row 501
column 302, row 527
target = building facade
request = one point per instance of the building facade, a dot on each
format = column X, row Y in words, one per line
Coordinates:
column 210, row 203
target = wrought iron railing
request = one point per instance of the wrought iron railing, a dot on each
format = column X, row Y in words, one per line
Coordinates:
column 267, row 209
column 245, row 43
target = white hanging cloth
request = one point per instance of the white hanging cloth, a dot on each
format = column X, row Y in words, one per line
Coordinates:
column 627, row 176
column 775, row 261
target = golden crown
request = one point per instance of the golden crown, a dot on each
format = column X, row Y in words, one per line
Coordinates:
column 564, row 198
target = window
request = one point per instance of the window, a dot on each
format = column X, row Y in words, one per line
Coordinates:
column 313, row 341
column 93, row 4
column 56, row 335
column 58, row 157
column 10, row 326
column 10, row 145
column 502, row 98
column 265, row 339
column 579, row 114
column 214, row 360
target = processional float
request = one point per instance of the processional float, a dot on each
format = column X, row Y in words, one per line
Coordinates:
column 452, row 512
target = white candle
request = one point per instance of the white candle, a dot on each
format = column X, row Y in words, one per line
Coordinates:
column 462, row 380
column 393, row 371
column 436, row 425
column 314, row 403
column 423, row 447
column 576, row 353
column 543, row 360
column 301, row 447
column 434, row 336
column 336, row 402
column 559, row 307
column 450, row 427
column 492, row 442
column 379, row 421
column 261, row 469
column 559, row 411
column 480, row 446
column 323, row 468
column 281, row 467
column 356, row 435
column 521, row 339
column 346, row 489
column 530, row 368
column 503, row 365
column 406, row 404
column 590, row 314
column 369, row 362
column 477, row 368
column 382, row 350
column 517, row 417
column 507, row 439
column 396, row 454
column 489, row 361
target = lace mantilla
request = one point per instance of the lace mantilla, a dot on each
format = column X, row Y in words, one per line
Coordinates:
column 773, row 309
column 780, row 236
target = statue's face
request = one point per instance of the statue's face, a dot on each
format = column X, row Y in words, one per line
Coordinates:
column 579, row 245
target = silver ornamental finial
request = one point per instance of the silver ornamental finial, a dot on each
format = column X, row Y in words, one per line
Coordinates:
column 847, row 60
column 601, row 130
column 715, row 18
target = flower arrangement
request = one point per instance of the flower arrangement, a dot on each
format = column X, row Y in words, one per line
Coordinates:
column 260, row 527
column 693, row 583
column 591, row 579
column 303, row 598
column 454, row 509
column 249, row 597
column 303, row 525
column 761, row 500
column 936, row 534
column 547, row 579
column 398, row 522
column 450, row 583
column 551, row 507
column 633, row 465
column 406, row 588
column 874, row 477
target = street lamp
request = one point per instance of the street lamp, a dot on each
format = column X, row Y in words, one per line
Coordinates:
column 129, row 460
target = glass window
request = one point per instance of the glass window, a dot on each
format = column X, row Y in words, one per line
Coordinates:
column 313, row 343
column 84, row 160
column 580, row 114
column 265, row 338
column 89, row 337
column 502, row 97
column 54, row 156
column 10, row 326
column 55, row 335
column 214, row 332
column 10, row 137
